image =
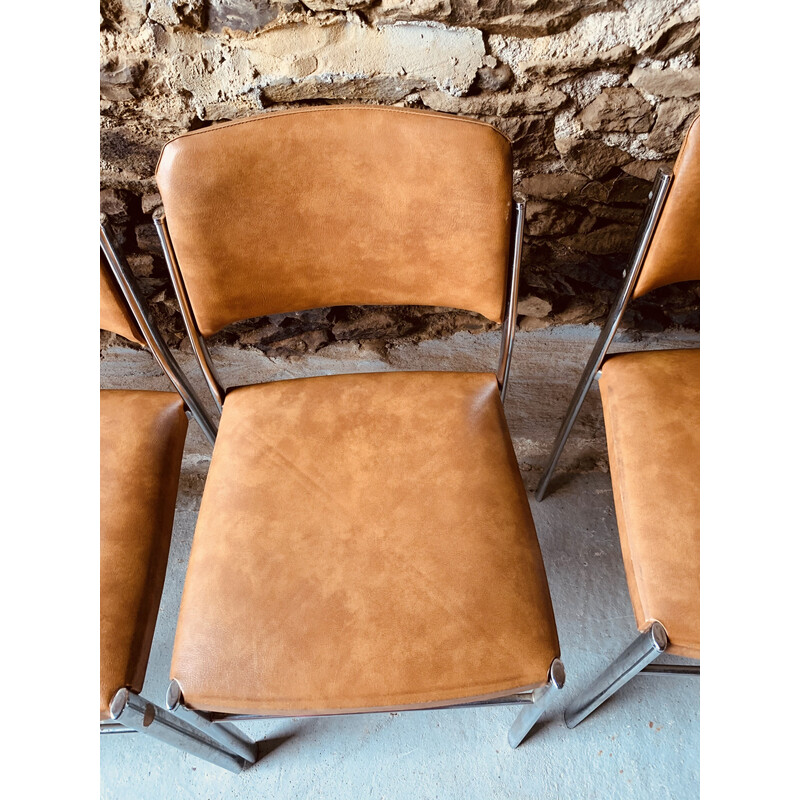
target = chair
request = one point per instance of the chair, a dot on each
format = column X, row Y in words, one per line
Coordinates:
column 141, row 444
column 364, row 541
column 651, row 409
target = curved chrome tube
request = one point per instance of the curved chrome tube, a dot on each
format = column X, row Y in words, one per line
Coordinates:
column 197, row 341
column 510, row 317
column 658, row 196
column 157, row 346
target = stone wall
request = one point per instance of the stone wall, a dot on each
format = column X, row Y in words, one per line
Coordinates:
column 595, row 94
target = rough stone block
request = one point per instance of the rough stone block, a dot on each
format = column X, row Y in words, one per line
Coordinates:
column 667, row 82
column 618, row 110
column 591, row 157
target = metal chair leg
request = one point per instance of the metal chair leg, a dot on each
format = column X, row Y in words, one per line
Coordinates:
column 582, row 389
column 133, row 711
column 542, row 698
column 644, row 649
column 658, row 196
column 224, row 734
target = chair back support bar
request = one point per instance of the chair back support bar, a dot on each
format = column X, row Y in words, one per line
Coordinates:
column 647, row 227
column 674, row 253
column 126, row 286
column 510, row 316
column 339, row 205
column 196, row 339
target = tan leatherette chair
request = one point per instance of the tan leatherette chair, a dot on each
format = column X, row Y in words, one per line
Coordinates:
column 651, row 407
column 141, row 444
column 364, row 541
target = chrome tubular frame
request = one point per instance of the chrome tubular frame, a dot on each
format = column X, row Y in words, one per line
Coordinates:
column 671, row 669
column 129, row 711
column 535, row 702
column 156, row 345
column 542, row 698
column 658, row 196
column 510, row 317
column 516, row 699
column 633, row 660
column 225, row 735
column 195, row 338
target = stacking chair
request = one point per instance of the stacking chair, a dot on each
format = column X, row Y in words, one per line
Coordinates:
column 364, row 541
column 141, row 443
column 651, row 408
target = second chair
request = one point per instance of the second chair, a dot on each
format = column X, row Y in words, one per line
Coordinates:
column 364, row 541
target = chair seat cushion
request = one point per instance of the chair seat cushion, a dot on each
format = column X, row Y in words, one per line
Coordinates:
column 364, row 542
column 141, row 442
column 651, row 405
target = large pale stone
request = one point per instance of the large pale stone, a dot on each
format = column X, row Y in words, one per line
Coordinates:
column 286, row 60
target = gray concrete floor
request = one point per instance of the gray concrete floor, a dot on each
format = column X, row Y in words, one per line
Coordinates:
column 643, row 743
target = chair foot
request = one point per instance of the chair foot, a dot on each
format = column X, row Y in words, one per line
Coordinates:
column 133, row 711
column 644, row 649
column 225, row 734
column 542, row 698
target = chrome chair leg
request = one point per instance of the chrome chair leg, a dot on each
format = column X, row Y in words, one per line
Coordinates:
column 658, row 196
column 224, row 734
column 644, row 649
column 132, row 711
column 582, row 389
column 542, row 698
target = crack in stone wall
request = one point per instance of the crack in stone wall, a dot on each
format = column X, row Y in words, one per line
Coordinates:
column 596, row 95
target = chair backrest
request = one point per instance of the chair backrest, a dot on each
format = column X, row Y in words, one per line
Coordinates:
column 339, row 205
column 674, row 253
column 115, row 315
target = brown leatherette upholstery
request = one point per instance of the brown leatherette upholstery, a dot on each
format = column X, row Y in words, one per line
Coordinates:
column 339, row 205
column 674, row 253
column 141, row 442
column 115, row 316
column 364, row 542
column 651, row 404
